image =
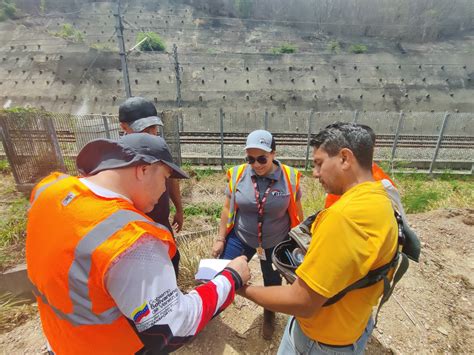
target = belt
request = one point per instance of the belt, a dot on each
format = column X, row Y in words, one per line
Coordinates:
column 335, row 346
column 330, row 345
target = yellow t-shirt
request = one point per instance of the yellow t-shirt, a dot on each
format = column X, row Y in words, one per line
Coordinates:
column 356, row 234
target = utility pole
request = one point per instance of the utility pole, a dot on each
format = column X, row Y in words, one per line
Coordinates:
column 178, row 83
column 178, row 75
column 123, row 54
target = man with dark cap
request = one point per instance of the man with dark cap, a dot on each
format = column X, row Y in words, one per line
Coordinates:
column 137, row 114
column 101, row 267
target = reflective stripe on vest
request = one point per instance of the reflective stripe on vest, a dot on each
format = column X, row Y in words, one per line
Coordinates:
column 291, row 173
column 234, row 175
column 78, row 275
column 293, row 180
column 45, row 186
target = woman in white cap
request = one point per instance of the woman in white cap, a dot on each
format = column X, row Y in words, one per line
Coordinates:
column 263, row 201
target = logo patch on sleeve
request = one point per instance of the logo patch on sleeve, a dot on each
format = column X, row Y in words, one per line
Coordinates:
column 67, row 200
column 140, row 312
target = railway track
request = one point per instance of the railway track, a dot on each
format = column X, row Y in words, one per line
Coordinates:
column 300, row 139
column 286, row 139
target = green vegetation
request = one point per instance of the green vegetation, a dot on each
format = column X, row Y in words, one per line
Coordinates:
column 334, row 46
column 199, row 173
column 420, row 193
column 4, row 167
column 209, row 210
column 358, row 48
column 18, row 109
column 23, row 113
column 12, row 233
column 8, row 10
column 202, row 174
column 70, row 33
column 154, row 43
column 285, row 48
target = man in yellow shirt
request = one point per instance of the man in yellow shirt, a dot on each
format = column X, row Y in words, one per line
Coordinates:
column 356, row 234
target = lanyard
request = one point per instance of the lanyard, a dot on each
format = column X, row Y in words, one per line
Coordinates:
column 260, row 206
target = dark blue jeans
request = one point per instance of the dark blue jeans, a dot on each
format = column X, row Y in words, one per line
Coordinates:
column 234, row 247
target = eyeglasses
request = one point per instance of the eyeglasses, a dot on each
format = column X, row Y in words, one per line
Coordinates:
column 262, row 159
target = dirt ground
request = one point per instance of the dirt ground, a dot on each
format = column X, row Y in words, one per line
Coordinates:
column 431, row 310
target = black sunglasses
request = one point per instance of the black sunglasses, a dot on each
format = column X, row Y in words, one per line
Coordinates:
column 262, row 159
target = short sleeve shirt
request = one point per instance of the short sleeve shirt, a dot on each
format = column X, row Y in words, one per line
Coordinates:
column 356, row 234
column 161, row 212
column 276, row 220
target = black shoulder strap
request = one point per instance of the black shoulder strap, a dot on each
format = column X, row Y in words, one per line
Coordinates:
column 370, row 279
column 375, row 276
column 387, row 289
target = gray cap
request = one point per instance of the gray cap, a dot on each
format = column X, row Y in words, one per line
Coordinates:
column 143, row 123
column 139, row 113
column 260, row 139
column 132, row 149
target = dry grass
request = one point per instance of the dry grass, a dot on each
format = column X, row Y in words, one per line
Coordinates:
column 313, row 195
column 193, row 247
column 14, row 311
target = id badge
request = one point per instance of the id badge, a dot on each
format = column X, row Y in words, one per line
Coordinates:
column 261, row 254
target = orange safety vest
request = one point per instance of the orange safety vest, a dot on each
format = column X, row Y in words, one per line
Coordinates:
column 377, row 173
column 292, row 178
column 73, row 236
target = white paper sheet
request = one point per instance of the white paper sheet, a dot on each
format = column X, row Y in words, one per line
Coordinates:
column 209, row 268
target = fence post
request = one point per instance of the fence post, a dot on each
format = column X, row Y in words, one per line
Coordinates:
column 265, row 121
column 8, row 147
column 355, row 116
column 395, row 139
column 106, row 125
column 177, row 136
column 49, row 125
column 438, row 144
column 221, row 125
column 310, row 123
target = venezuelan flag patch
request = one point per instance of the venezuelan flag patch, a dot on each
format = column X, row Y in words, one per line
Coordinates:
column 140, row 312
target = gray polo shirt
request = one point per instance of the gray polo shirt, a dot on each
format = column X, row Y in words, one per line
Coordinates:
column 276, row 221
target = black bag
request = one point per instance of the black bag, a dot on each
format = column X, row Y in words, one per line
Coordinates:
column 284, row 255
column 289, row 254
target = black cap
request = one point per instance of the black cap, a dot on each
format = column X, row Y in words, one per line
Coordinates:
column 139, row 113
column 132, row 149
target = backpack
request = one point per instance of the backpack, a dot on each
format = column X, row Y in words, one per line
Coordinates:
column 289, row 254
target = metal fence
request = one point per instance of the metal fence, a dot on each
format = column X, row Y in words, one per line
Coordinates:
column 426, row 141
column 37, row 143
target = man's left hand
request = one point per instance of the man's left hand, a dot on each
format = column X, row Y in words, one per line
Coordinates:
column 178, row 220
